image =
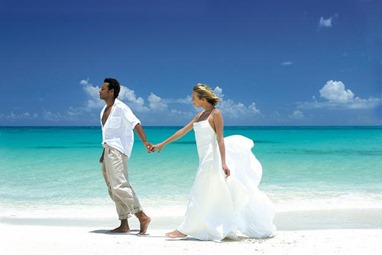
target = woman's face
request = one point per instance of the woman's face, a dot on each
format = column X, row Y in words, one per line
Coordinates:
column 196, row 100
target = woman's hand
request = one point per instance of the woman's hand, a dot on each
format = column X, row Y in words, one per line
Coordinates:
column 226, row 170
column 158, row 147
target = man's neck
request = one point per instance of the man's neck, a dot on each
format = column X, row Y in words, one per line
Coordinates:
column 109, row 103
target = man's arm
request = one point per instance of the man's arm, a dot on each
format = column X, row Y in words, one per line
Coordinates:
column 141, row 133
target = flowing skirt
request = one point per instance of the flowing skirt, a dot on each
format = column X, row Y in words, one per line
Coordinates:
column 222, row 207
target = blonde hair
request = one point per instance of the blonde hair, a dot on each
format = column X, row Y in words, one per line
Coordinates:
column 204, row 91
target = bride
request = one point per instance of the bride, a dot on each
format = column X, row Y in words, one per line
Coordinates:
column 224, row 200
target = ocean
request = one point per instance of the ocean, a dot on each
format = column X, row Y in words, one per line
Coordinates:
column 54, row 171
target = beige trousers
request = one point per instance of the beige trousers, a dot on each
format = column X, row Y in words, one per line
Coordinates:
column 114, row 170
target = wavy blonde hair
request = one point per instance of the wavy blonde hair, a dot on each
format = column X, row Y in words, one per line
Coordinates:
column 204, row 91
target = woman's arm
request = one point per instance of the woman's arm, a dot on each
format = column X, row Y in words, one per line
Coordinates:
column 178, row 134
column 219, row 126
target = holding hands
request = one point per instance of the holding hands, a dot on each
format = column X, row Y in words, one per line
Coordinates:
column 153, row 147
column 158, row 147
column 149, row 147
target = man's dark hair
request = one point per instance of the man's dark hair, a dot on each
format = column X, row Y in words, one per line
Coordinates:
column 113, row 84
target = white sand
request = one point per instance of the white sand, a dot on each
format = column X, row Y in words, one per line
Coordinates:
column 356, row 231
column 22, row 239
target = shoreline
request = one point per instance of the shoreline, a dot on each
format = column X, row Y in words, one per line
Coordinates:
column 369, row 218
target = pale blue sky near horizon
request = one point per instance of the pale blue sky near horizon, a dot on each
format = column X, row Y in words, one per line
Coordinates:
column 297, row 62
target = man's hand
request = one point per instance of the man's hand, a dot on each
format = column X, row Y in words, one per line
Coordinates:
column 149, row 147
column 101, row 158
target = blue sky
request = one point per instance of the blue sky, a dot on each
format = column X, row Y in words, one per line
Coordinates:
column 296, row 62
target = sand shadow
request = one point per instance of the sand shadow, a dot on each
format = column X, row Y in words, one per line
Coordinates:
column 133, row 232
column 109, row 232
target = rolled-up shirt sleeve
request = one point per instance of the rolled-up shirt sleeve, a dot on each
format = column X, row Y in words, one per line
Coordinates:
column 131, row 119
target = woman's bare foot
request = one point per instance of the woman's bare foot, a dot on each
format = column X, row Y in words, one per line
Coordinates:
column 123, row 228
column 176, row 234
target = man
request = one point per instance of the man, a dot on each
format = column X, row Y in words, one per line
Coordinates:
column 118, row 123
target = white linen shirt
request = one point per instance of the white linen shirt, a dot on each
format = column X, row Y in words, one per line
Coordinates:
column 118, row 129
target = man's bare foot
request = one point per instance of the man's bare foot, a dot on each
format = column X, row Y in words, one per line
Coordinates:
column 144, row 222
column 176, row 234
column 120, row 230
column 123, row 228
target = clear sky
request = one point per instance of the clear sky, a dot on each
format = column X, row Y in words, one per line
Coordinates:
column 273, row 62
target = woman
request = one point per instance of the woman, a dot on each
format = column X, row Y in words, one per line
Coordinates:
column 224, row 201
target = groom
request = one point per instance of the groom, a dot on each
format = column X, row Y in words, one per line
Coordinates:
column 118, row 123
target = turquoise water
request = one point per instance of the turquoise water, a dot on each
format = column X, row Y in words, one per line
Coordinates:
column 303, row 167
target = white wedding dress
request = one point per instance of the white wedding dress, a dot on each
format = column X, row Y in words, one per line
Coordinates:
column 222, row 207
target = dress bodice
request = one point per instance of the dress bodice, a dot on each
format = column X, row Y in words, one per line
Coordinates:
column 205, row 137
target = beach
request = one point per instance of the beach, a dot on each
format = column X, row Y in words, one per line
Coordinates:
column 325, row 183
column 84, row 236
column 74, row 240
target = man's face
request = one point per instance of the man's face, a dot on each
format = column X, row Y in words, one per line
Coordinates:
column 105, row 93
